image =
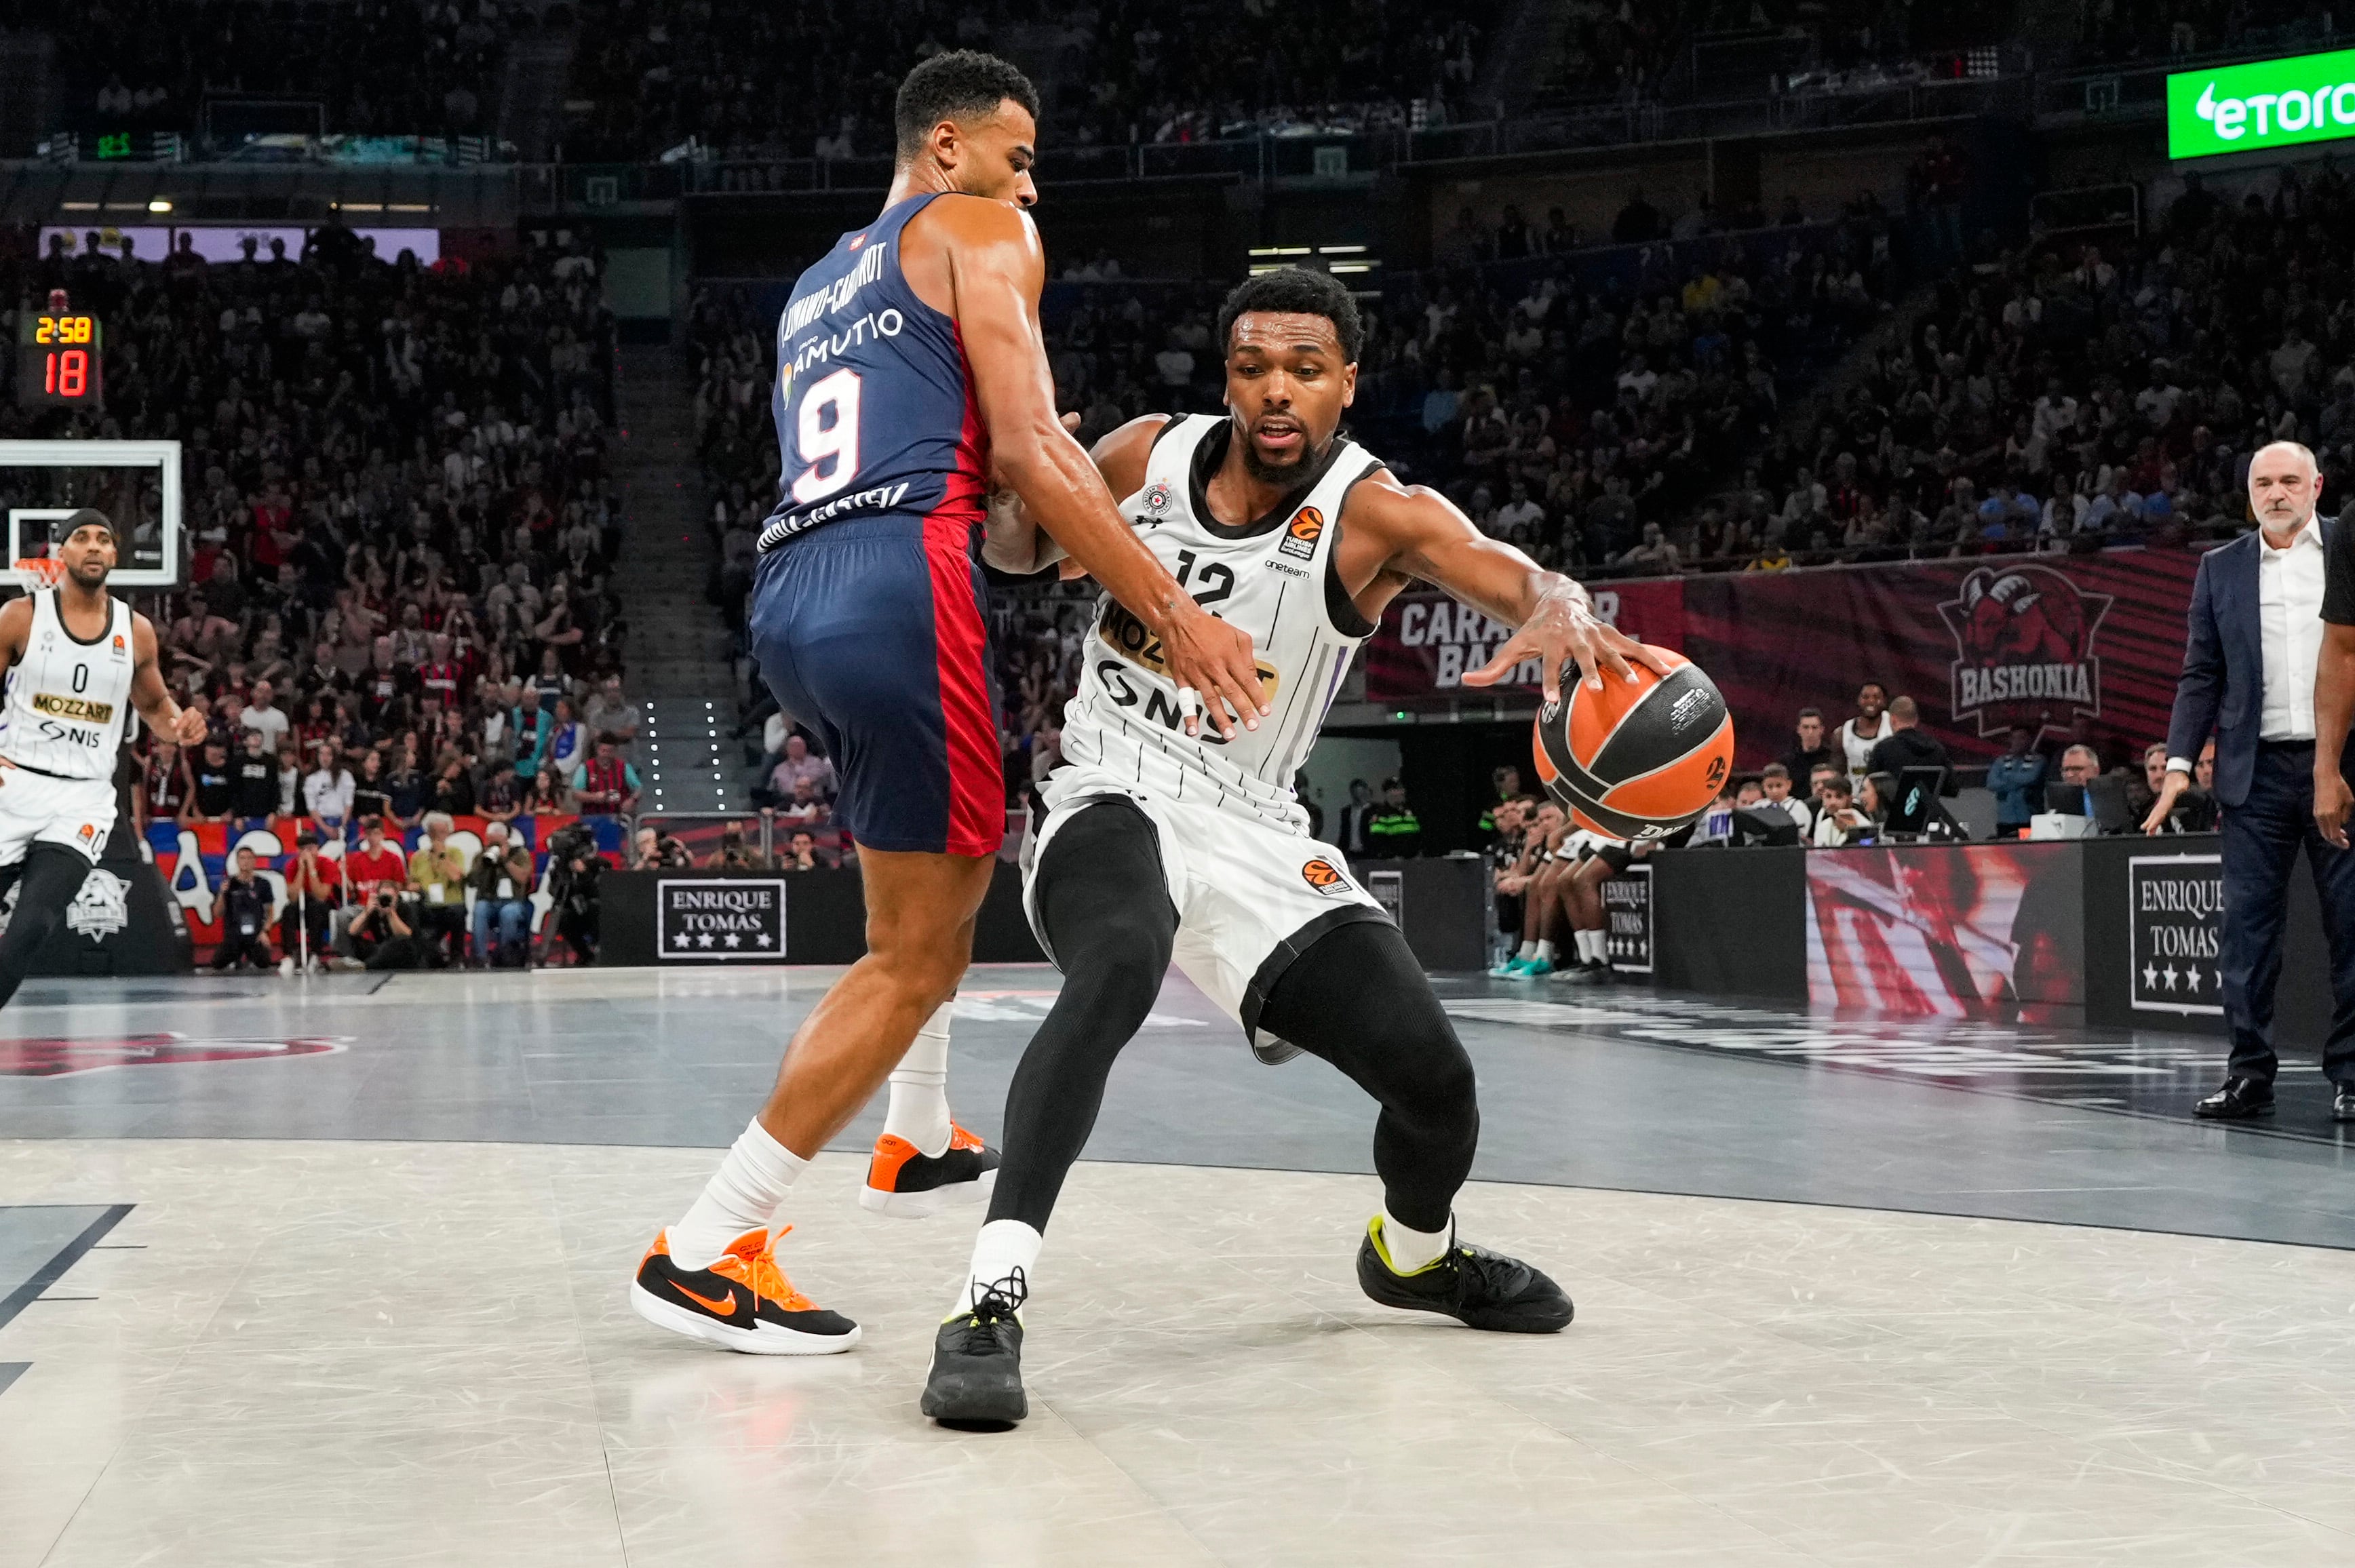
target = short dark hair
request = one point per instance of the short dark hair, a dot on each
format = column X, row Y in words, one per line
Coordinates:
column 1295, row 291
column 1774, row 771
column 956, row 85
column 1811, row 713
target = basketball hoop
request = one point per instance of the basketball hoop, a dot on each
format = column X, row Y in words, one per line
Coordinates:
column 36, row 571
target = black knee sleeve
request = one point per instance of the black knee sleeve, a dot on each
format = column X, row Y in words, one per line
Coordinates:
column 1359, row 1000
column 51, row 877
column 1104, row 910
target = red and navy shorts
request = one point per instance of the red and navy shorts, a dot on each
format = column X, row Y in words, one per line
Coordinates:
column 872, row 631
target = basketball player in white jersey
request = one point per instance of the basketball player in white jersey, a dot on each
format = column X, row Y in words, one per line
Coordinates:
column 1164, row 840
column 77, row 660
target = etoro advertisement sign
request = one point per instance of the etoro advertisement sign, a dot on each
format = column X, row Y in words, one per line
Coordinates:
column 2256, row 108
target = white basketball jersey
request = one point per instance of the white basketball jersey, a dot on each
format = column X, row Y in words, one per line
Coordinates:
column 67, row 699
column 1273, row 578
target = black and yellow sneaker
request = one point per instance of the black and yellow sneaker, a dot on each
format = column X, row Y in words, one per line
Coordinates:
column 742, row 1302
column 976, row 1373
column 1472, row 1284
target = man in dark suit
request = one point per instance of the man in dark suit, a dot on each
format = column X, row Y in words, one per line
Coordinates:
column 2249, row 656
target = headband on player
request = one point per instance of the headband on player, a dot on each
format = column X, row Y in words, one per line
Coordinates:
column 90, row 516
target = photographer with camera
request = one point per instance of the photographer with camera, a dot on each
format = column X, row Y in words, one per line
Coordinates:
column 574, row 866
column 501, row 881
column 380, row 939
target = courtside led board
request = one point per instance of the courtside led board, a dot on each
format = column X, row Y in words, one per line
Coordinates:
column 2259, row 107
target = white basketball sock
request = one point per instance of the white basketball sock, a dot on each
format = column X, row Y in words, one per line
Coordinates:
column 1590, row 947
column 1003, row 1247
column 1409, row 1249
column 1545, row 951
column 918, row 1107
column 743, row 1195
column 1528, row 949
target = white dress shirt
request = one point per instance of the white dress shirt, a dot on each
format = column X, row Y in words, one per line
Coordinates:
column 2289, row 619
column 2289, row 600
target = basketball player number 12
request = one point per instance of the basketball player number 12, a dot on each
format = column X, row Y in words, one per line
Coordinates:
column 817, row 440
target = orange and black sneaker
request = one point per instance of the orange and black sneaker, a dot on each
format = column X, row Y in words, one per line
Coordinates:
column 903, row 1181
column 742, row 1302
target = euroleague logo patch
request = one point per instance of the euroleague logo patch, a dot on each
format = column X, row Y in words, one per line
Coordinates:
column 1300, row 539
column 1324, row 876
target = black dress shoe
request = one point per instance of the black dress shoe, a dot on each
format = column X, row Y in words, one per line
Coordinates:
column 2237, row 1101
column 2342, row 1104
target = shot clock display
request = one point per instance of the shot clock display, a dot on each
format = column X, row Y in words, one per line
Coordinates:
column 58, row 356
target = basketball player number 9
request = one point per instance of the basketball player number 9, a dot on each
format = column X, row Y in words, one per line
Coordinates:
column 817, row 441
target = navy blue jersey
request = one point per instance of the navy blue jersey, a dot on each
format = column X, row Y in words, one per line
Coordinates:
column 873, row 403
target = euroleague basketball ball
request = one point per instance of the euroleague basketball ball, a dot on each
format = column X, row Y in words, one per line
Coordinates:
column 1637, row 758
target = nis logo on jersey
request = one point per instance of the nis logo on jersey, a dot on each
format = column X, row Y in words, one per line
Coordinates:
column 1127, row 637
column 55, row 707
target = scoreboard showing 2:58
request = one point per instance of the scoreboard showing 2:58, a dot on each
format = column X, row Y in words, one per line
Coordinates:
column 59, row 360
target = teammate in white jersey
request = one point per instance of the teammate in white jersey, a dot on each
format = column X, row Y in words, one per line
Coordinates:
column 77, row 660
column 1164, row 840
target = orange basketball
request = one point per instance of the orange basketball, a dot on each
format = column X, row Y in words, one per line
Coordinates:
column 1637, row 760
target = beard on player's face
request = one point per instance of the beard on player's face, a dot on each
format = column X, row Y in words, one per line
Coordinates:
column 1295, row 458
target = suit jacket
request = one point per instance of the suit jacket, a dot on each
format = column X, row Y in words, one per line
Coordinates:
column 2222, row 688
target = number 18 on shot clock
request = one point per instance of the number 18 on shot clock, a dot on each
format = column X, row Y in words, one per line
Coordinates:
column 58, row 356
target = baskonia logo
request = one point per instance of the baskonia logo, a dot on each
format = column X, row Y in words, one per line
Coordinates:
column 2025, row 648
column 1323, row 875
column 1300, row 539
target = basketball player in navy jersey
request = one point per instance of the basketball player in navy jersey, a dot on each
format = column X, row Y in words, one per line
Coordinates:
column 911, row 375
column 77, row 661
column 1161, row 843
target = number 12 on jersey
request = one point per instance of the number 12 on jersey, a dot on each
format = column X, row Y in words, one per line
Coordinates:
column 826, row 435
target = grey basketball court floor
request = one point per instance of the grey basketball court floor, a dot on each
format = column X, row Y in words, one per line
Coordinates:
column 332, row 1272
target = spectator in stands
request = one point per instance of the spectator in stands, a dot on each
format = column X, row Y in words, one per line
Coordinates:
column 1393, row 832
column 533, row 728
column 2080, row 766
column 1774, row 787
column 1908, row 745
column 1837, row 821
column 164, row 783
column 549, row 795
column 500, row 798
column 212, row 793
column 1355, row 837
column 799, row 764
column 1810, row 749
column 610, row 714
column 2016, row 779
column 568, row 739
column 500, row 879
column 253, row 780
column 801, row 853
column 306, row 925
column 605, row 785
column 437, row 883
column 262, row 714
column 244, row 909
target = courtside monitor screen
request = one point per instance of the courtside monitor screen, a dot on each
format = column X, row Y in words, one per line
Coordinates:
column 2261, row 106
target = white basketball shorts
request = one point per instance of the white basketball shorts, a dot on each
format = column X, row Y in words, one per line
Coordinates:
column 1250, row 895
column 36, row 808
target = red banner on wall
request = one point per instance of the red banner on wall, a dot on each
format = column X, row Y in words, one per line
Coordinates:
column 1980, row 643
column 1428, row 640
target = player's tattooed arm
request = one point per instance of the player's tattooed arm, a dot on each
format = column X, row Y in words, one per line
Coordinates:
column 1422, row 535
column 151, row 697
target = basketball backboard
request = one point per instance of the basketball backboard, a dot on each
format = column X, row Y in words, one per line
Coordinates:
column 135, row 483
